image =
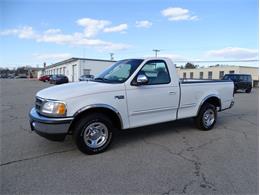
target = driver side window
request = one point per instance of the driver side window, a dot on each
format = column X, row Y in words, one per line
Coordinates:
column 156, row 71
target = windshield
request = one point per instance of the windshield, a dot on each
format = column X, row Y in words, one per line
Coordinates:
column 119, row 72
column 231, row 77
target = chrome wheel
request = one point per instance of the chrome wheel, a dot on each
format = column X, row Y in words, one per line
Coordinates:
column 95, row 135
column 208, row 118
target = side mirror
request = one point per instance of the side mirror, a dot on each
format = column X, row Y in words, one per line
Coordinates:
column 141, row 79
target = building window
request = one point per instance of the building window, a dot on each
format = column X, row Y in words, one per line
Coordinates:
column 210, row 75
column 201, row 75
column 184, row 75
column 221, row 74
column 86, row 71
column 191, row 75
column 231, row 72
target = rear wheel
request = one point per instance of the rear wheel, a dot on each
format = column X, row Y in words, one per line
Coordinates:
column 207, row 117
column 93, row 133
column 248, row 90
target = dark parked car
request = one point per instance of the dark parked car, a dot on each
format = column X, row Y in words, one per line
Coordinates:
column 241, row 81
column 86, row 77
column 58, row 79
column 45, row 78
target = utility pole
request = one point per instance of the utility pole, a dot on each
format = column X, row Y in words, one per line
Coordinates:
column 111, row 56
column 84, row 52
column 156, row 51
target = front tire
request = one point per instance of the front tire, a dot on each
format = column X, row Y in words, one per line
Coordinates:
column 207, row 117
column 93, row 133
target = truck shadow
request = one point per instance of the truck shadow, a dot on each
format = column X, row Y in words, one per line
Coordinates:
column 124, row 137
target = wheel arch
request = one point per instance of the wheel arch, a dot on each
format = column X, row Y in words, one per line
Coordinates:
column 108, row 110
column 211, row 99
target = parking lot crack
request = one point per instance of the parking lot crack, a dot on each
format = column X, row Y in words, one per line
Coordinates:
column 211, row 141
column 165, row 148
column 243, row 133
column 202, row 181
column 195, row 160
column 241, row 117
column 186, row 186
column 248, row 121
column 169, row 191
column 36, row 157
column 207, row 184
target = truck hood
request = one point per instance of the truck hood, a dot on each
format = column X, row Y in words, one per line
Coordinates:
column 70, row 90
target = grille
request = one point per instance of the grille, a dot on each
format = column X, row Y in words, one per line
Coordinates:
column 38, row 104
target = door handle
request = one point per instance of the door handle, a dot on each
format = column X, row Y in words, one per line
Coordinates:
column 172, row 93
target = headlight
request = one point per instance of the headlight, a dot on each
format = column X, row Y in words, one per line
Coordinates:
column 53, row 108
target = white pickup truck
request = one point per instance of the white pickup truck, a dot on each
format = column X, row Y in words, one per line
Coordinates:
column 131, row 93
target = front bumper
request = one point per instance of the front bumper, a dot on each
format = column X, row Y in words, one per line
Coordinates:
column 54, row 129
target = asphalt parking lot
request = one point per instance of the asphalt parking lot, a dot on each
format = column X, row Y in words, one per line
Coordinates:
column 169, row 158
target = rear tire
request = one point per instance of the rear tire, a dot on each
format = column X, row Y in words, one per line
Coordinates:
column 248, row 90
column 93, row 133
column 206, row 117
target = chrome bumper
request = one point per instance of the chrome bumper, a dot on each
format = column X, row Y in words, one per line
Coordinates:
column 54, row 129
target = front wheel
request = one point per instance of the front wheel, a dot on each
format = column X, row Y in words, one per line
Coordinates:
column 207, row 117
column 93, row 133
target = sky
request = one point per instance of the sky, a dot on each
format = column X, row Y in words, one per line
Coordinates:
column 34, row 32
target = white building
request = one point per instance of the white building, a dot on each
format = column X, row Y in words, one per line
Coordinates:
column 73, row 68
column 217, row 72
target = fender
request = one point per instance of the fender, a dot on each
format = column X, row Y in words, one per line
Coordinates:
column 100, row 106
column 206, row 98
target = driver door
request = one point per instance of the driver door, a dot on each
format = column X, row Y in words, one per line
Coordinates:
column 155, row 101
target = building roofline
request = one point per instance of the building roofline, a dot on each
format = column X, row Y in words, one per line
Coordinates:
column 75, row 59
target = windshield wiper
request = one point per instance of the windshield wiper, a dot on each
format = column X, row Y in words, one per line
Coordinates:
column 101, row 79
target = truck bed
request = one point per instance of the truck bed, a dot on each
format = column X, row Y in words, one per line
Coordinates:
column 193, row 92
